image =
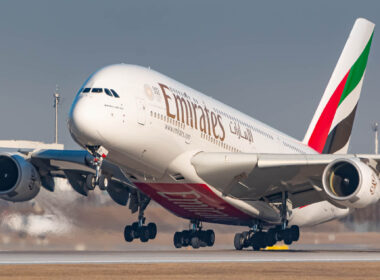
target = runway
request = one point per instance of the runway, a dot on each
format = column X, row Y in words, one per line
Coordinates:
column 188, row 256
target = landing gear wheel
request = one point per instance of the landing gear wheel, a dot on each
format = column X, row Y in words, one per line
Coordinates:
column 103, row 182
column 152, row 228
column 288, row 238
column 246, row 239
column 271, row 237
column 177, row 240
column 210, row 237
column 90, row 182
column 195, row 242
column 238, row 241
column 136, row 231
column 259, row 241
column 144, row 234
column 128, row 234
column 295, row 230
column 185, row 238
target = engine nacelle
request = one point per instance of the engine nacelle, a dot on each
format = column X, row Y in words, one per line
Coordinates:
column 351, row 183
column 19, row 180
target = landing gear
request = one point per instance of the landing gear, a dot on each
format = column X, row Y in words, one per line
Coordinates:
column 196, row 237
column 262, row 239
column 99, row 154
column 91, row 182
column 259, row 239
column 138, row 230
column 144, row 233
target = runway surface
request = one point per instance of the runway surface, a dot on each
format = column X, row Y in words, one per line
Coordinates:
column 188, row 256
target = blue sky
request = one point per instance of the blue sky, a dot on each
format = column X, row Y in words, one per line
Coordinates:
column 269, row 59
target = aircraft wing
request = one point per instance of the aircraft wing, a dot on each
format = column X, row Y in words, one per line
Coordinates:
column 265, row 176
column 75, row 165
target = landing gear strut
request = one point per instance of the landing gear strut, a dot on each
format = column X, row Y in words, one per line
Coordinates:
column 194, row 237
column 138, row 229
column 99, row 154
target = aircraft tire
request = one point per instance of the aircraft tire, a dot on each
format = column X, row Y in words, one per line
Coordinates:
column 295, row 233
column 136, row 231
column 210, row 237
column 195, row 242
column 103, row 183
column 90, row 182
column 271, row 237
column 246, row 239
column 186, row 238
column 288, row 238
column 128, row 233
column 238, row 241
column 144, row 234
column 152, row 228
column 177, row 239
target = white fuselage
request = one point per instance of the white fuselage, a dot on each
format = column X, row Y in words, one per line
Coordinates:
column 155, row 127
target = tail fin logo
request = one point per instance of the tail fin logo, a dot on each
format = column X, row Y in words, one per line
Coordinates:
column 330, row 129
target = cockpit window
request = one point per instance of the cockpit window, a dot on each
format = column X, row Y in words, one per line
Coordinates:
column 97, row 90
column 115, row 94
column 107, row 91
column 86, row 90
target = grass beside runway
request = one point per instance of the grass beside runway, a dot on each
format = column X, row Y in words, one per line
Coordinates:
column 278, row 271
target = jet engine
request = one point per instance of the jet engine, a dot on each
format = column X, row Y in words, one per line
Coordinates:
column 19, row 179
column 351, row 183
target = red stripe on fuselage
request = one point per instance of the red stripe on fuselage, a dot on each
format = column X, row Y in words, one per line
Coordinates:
column 194, row 202
column 320, row 133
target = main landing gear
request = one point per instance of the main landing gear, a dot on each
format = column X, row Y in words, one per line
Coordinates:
column 260, row 239
column 138, row 230
column 194, row 237
column 99, row 154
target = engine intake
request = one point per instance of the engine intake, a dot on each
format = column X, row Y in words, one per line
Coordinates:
column 351, row 183
column 8, row 173
column 19, row 180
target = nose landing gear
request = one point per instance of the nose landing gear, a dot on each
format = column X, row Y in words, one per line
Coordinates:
column 99, row 153
column 195, row 237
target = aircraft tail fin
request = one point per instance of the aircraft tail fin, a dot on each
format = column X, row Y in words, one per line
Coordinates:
column 330, row 129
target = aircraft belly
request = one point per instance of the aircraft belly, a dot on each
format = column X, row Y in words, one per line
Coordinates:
column 195, row 202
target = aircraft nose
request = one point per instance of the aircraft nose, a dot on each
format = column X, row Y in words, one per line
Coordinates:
column 84, row 121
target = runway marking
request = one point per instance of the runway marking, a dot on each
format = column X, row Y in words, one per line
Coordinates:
column 155, row 257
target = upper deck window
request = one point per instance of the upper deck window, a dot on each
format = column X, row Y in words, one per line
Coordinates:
column 86, row 90
column 108, row 92
column 115, row 94
column 97, row 90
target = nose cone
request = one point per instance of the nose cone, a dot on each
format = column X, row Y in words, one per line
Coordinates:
column 85, row 120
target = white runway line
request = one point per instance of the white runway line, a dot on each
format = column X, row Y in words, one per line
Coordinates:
column 184, row 256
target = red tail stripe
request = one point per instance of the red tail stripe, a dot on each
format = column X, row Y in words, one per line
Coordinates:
column 321, row 131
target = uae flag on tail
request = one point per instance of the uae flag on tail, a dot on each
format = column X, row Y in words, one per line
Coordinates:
column 331, row 126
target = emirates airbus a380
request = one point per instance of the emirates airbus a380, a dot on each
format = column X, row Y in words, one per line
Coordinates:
column 148, row 137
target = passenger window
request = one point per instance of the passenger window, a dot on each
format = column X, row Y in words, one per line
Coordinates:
column 107, row 91
column 86, row 90
column 97, row 90
column 115, row 94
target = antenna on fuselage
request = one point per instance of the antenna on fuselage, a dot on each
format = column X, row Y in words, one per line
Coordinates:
column 57, row 98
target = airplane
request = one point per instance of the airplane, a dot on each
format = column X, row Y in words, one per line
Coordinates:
column 148, row 137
